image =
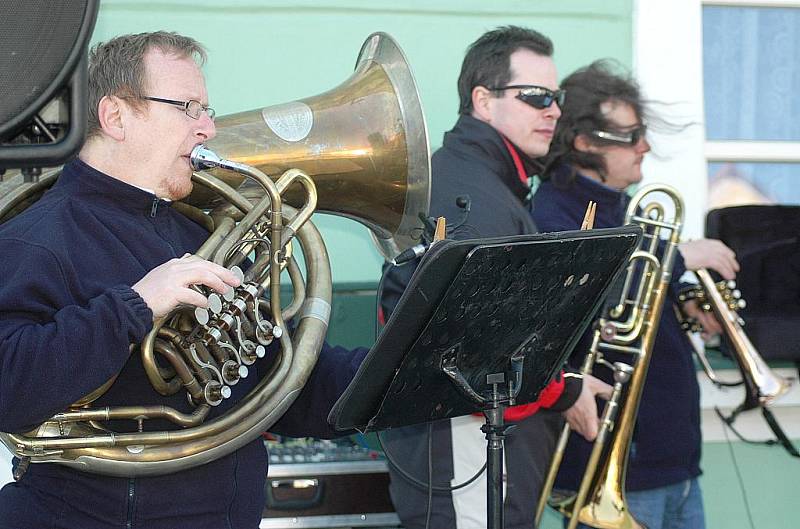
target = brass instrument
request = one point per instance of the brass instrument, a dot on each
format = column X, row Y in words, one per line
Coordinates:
column 762, row 386
column 628, row 327
column 359, row 150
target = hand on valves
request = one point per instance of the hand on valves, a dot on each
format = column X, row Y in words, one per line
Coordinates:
column 170, row 284
column 715, row 255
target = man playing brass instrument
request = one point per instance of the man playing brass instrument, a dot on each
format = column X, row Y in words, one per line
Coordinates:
column 596, row 155
column 87, row 269
column 509, row 106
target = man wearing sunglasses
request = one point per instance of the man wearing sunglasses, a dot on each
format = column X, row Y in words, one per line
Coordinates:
column 597, row 155
column 509, row 106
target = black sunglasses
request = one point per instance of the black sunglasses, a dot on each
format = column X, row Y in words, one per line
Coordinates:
column 629, row 137
column 536, row 96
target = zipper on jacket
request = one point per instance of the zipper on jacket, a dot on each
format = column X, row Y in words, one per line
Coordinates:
column 154, row 207
column 131, row 495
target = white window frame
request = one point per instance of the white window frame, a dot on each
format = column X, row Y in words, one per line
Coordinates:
column 668, row 62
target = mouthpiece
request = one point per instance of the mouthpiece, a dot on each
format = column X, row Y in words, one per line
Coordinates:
column 202, row 158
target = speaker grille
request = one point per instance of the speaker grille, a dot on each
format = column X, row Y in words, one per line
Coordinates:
column 37, row 39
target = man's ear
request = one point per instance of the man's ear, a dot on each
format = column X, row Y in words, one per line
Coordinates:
column 481, row 103
column 581, row 143
column 109, row 114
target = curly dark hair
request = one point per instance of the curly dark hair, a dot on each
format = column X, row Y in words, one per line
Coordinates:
column 588, row 88
column 487, row 60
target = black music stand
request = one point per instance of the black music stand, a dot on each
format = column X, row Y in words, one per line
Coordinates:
column 483, row 324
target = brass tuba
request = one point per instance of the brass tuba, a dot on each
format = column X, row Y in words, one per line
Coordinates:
column 628, row 327
column 359, row 150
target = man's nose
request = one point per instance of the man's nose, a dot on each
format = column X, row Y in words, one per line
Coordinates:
column 553, row 111
column 207, row 129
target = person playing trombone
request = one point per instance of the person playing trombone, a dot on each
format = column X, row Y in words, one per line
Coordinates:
column 596, row 154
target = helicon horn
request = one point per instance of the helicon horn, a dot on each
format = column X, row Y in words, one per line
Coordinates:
column 360, row 151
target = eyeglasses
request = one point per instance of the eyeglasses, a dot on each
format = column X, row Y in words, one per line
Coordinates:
column 536, row 96
column 192, row 108
column 629, row 137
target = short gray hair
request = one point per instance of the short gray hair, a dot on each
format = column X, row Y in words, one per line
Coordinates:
column 117, row 68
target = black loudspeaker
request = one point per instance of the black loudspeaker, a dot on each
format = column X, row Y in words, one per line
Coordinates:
column 43, row 82
column 766, row 240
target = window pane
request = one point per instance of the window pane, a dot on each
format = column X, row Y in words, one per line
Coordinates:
column 731, row 184
column 751, row 71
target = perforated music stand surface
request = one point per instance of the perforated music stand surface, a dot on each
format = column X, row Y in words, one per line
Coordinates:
column 483, row 301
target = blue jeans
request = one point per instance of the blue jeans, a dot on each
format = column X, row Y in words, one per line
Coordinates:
column 678, row 506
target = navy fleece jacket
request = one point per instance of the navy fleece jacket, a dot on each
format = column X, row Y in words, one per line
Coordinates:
column 67, row 318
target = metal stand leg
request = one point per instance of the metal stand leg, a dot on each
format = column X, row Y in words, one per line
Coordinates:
column 495, row 431
column 503, row 393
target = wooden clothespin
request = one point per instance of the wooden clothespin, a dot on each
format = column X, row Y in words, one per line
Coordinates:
column 588, row 217
column 439, row 233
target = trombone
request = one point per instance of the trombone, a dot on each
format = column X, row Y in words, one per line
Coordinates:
column 630, row 327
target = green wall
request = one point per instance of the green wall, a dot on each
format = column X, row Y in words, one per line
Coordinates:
column 268, row 52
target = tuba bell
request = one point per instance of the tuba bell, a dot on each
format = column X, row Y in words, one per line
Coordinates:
column 360, row 151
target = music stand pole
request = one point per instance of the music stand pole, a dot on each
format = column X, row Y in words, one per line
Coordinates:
column 494, row 427
column 495, row 431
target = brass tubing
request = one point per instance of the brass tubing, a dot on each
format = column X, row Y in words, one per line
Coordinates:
column 176, row 339
column 222, row 354
column 601, row 502
column 270, row 203
column 183, row 371
column 134, row 413
column 631, row 329
column 224, row 227
column 299, row 290
column 563, row 439
column 606, row 426
column 151, row 368
column 767, row 384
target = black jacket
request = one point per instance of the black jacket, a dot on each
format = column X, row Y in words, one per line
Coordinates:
column 475, row 163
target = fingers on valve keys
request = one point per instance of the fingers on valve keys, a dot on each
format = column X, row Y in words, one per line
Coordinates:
column 215, row 301
column 215, row 284
column 189, row 280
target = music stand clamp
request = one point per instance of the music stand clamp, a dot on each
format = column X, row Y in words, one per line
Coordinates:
column 476, row 315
